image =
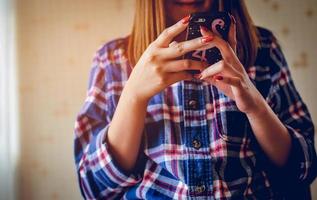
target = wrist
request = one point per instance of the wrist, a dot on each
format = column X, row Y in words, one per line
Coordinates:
column 259, row 110
column 134, row 96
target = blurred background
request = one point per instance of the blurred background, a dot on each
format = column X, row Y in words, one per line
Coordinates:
column 45, row 57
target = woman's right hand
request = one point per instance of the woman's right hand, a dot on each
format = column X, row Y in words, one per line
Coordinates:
column 159, row 66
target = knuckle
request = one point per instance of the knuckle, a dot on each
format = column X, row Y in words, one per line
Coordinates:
column 151, row 57
column 166, row 32
column 240, row 76
column 226, row 44
column 222, row 64
column 179, row 48
column 157, row 69
column 162, row 80
column 186, row 64
column 226, row 57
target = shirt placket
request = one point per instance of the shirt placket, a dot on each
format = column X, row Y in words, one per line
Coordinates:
column 199, row 170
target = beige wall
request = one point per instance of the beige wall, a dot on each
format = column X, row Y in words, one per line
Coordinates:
column 56, row 42
column 295, row 25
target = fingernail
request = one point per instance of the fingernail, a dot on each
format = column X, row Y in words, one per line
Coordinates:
column 185, row 20
column 207, row 39
column 219, row 78
column 202, row 28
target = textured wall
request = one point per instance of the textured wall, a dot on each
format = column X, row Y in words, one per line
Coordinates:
column 56, row 42
column 295, row 25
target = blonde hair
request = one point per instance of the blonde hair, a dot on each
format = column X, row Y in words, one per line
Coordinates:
column 149, row 22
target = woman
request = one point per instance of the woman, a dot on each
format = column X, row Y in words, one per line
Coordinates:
column 151, row 130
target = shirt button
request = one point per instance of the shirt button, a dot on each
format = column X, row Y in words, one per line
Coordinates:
column 200, row 189
column 196, row 144
column 192, row 104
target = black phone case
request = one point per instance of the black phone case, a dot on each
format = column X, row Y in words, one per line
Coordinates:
column 218, row 23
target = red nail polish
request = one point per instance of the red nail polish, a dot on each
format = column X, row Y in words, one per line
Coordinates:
column 202, row 28
column 207, row 39
column 219, row 78
column 185, row 20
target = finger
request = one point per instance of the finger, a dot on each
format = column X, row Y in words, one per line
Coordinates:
column 232, row 37
column 172, row 44
column 186, row 64
column 233, row 81
column 219, row 67
column 179, row 76
column 205, row 31
column 171, row 32
column 224, row 47
column 221, row 86
column 181, row 48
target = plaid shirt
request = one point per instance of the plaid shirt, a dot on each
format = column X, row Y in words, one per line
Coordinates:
column 196, row 144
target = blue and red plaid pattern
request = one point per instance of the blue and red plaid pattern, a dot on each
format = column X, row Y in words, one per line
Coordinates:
column 196, row 143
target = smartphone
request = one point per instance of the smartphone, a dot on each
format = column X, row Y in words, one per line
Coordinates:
column 218, row 23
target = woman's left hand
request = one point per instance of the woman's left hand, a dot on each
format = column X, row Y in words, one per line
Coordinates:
column 229, row 75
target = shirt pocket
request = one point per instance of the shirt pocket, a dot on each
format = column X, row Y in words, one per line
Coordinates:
column 233, row 124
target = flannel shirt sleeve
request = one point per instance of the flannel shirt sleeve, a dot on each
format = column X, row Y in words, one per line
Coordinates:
column 98, row 174
column 292, row 111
